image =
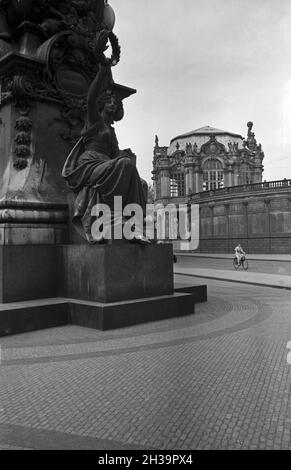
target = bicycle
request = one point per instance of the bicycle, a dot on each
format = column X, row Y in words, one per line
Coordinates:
column 243, row 262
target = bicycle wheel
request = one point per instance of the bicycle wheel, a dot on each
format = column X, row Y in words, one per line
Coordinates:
column 235, row 263
column 245, row 264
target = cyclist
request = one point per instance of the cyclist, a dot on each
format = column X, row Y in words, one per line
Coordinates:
column 239, row 253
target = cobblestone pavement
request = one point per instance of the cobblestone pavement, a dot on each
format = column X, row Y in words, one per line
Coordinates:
column 218, row 379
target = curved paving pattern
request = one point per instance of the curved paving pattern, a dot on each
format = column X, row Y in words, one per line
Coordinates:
column 72, row 334
column 248, row 315
column 214, row 380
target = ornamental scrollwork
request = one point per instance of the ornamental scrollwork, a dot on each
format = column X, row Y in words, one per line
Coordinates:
column 62, row 65
column 81, row 16
column 178, row 158
column 23, row 123
column 212, row 147
column 23, row 139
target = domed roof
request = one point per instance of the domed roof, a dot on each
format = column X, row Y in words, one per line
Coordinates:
column 201, row 136
column 206, row 130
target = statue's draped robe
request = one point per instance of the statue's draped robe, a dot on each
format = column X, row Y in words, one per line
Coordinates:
column 96, row 171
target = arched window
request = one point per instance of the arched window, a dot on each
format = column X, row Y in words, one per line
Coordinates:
column 177, row 184
column 213, row 176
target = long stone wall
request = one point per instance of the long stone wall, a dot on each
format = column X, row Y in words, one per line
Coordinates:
column 258, row 217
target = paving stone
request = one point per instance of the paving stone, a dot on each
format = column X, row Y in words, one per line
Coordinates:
column 216, row 380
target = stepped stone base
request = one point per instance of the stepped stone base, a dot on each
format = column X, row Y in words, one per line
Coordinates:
column 28, row 272
column 100, row 286
column 21, row 317
column 199, row 292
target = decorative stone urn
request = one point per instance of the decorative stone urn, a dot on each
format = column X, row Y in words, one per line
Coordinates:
column 109, row 16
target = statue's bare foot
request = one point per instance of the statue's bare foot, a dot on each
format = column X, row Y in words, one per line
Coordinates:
column 141, row 240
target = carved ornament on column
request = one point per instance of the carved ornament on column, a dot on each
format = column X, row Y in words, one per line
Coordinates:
column 23, row 138
column 233, row 148
column 212, row 147
column 52, row 15
column 188, row 161
column 189, row 149
column 195, row 148
column 160, row 154
column 178, row 158
column 65, row 61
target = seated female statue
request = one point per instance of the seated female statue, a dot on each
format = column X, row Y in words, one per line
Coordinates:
column 96, row 169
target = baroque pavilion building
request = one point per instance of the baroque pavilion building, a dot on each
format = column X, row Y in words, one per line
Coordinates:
column 205, row 159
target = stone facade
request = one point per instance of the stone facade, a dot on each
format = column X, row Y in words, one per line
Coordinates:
column 258, row 216
column 205, row 159
column 222, row 173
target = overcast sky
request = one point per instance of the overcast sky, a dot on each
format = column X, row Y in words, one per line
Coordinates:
column 194, row 63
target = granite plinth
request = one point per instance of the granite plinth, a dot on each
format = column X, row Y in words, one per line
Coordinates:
column 25, row 316
column 113, row 273
column 21, row 317
column 108, row 316
column 199, row 291
column 28, row 272
column 100, row 286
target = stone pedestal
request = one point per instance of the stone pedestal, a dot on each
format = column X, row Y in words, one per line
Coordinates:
column 199, row 292
column 115, row 273
column 46, row 68
column 121, row 314
column 99, row 286
column 28, row 272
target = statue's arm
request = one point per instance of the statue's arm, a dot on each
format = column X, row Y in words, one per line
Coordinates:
column 93, row 94
column 93, row 114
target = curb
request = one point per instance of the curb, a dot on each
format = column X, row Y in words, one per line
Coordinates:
column 254, row 283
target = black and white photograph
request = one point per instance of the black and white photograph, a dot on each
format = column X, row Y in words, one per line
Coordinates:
column 145, row 229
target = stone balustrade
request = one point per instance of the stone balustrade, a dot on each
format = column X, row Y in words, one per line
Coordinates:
column 266, row 186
